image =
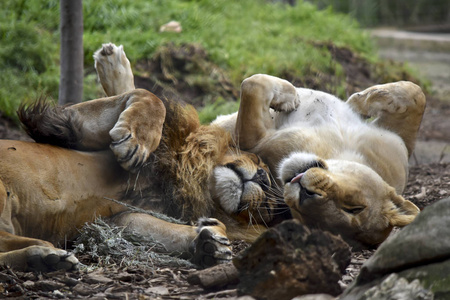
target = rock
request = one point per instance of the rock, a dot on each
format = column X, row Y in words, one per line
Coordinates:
column 394, row 287
column 289, row 260
column 172, row 26
column 419, row 251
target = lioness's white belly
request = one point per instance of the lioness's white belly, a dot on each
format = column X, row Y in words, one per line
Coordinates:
column 325, row 126
column 317, row 109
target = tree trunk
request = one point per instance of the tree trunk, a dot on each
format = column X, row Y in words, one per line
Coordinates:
column 71, row 79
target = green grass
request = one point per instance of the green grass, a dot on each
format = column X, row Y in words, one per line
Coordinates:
column 243, row 37
column 219, row 107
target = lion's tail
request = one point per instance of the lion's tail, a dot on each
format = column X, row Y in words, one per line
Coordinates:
column 49, row 124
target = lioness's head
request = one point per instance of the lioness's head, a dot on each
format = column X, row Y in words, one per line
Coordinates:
column 241, row 184
column 343, row 197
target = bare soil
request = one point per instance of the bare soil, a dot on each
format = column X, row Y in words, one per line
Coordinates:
column 427, row 184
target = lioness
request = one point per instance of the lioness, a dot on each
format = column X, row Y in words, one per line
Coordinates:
column 340, row 172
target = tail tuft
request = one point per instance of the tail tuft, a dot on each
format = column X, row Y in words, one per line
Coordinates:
column 49, row 124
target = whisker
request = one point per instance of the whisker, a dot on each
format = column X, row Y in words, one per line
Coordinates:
column 245, row 207
column 280, row 212
column 251, row 223
column 262, row 219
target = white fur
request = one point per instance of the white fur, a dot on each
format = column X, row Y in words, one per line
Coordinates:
column 290, row 166
column 228, row 188
column 317, row 108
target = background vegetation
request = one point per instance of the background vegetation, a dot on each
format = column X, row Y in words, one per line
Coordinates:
column 398, row 13
column 240, row 37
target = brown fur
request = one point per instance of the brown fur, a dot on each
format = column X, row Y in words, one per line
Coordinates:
column 177, row 176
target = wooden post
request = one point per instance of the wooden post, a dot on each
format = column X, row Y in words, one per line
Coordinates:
column 71, row 30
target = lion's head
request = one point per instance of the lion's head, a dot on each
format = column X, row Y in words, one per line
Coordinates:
column 206, row 174
column 343, row 197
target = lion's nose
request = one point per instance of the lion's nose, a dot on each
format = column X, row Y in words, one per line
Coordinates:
column 261, row 178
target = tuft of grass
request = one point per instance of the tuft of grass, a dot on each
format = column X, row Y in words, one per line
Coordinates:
column 107, row 244
column 242, row 37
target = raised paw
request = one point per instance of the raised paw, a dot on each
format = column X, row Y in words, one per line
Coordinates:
column 40, row 259
column 285, row 101
column 113, row 69
column 130, row 152
column 392, row 98
column 211, row 247
column 138, row 131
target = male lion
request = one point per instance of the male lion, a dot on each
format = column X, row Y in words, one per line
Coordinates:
column 131, row 147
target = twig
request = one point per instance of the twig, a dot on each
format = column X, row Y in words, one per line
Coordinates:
column 214, row 277
column 231, row 292
column 148, row 212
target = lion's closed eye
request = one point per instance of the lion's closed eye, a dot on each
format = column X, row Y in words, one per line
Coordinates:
column 354, row 210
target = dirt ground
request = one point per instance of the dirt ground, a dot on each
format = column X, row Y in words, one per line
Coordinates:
column 427, row 183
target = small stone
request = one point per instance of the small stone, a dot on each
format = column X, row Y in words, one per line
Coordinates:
column 82, row 290
column 28, row 284
column 96, row 278
column 157, row 290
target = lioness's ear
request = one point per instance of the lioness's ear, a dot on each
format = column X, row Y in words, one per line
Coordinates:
column 401, row 212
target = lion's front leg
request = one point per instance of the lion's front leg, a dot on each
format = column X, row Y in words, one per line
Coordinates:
column 259, row 93
column 211, row 245
column 206, row 243
column 396, row 106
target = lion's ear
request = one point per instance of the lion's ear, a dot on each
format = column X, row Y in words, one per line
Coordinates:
column 401, row 212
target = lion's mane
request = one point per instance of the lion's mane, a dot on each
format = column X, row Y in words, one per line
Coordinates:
column 185, row 159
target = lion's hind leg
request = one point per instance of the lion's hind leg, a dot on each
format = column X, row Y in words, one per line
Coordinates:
column 114, row 70
column 397, row 107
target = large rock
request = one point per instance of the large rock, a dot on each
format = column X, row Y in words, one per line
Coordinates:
column 420, row 251
column 290, row 260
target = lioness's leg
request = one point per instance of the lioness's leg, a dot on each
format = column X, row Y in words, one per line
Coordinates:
column 396, row 106
column 259, row 93
column 206, row 243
